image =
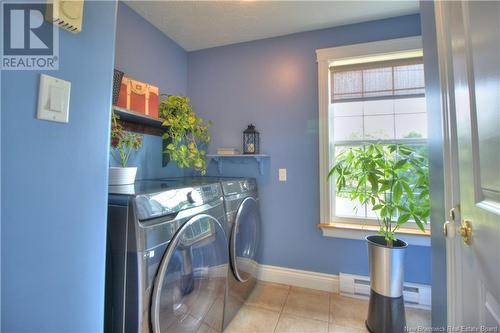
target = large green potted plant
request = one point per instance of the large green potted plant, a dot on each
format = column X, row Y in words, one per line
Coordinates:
column 392, row 179
column 186, row 133
column 123, row 144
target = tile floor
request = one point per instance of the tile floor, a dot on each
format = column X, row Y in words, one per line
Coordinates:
column 281, row 308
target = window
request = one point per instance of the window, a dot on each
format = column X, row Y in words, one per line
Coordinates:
column 368, row 93
column 374, row 102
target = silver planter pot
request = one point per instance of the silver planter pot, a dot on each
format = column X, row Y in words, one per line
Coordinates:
column 386, row 313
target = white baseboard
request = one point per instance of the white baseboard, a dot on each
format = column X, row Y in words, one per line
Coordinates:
column 321, row 281
column 299, row 278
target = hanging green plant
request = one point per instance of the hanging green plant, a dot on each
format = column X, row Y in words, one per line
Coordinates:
column 187, row 133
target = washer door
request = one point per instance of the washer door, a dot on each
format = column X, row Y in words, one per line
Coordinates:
column 245, row 240
column 189, row 287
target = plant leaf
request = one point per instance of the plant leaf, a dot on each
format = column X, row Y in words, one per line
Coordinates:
column 407, row 189
column 372, row 178
column 397, row 191
column 399, row 164
column 419, row 223
column 403, row 218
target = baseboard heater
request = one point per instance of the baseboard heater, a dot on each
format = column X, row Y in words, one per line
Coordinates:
column 358, row 286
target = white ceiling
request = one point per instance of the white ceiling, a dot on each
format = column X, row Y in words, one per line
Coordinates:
column 196, row 25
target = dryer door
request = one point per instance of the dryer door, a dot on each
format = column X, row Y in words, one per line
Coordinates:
column 245, row 240
column 189, row 287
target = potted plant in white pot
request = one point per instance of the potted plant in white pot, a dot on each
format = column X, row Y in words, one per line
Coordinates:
column 123, row 143
column 187, row 134
column 394, row 180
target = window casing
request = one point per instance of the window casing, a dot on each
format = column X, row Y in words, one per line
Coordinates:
column 364, row 102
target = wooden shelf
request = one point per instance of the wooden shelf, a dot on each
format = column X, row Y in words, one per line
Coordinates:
column 136, row 117
column 241, row 158
column 138, row 122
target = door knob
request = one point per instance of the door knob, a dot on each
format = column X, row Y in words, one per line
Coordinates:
column 466, row 231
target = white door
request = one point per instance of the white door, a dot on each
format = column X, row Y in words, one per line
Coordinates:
column 469, row 34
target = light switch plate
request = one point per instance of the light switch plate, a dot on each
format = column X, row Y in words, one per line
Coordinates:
column 53, row 99
column 282, row 175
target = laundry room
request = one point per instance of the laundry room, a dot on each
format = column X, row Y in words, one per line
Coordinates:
column 270, row 84
column 238, row 166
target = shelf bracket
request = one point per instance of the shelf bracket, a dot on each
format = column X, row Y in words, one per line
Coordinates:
column 219, row 164
column 238, row 159
column 260, row 161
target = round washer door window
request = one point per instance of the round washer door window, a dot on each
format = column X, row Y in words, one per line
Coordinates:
column 245, row 240
column 188, row 291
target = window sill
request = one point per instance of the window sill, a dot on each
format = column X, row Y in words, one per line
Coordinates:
column 360, row 231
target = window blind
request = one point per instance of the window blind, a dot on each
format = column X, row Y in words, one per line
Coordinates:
column 400, row 78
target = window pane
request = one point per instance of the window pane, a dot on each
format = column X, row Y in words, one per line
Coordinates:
column 421, row 149
column 348, row 208
column 348, row 109
column 384, row 106
column 410, row 105
column 379, row 127
column 411, row 126
column 348, row 128
column 370, row 213
column 345, row 207
column 340, row 149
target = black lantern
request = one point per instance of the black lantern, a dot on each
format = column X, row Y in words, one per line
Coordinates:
column 251, row 140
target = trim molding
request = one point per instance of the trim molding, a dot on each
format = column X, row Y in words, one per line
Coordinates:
column 360, row 232
column 317, row 281
column 377, row 48
column 450, row 161
column 324, row 162
column 345, row 54
column 299, row 278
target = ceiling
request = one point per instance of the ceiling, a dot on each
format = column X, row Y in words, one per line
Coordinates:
column 196, row 25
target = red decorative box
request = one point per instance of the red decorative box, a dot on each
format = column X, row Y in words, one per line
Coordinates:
column 139, row 97
column 153, row 102
column 123, row 95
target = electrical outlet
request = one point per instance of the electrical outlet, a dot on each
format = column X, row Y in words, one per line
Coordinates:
column 282, row 175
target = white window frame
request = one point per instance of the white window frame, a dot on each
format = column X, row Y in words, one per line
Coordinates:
column 357, row 53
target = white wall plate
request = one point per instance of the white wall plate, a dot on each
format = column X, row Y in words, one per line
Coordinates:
column 53, row 99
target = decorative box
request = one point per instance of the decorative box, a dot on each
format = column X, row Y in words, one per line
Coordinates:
column 139, row 97
column 123, row 95
column 153, row 102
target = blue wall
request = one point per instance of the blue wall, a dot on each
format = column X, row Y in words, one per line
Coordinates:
column 273, row 84
column 146, row 54
column 54, row 181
